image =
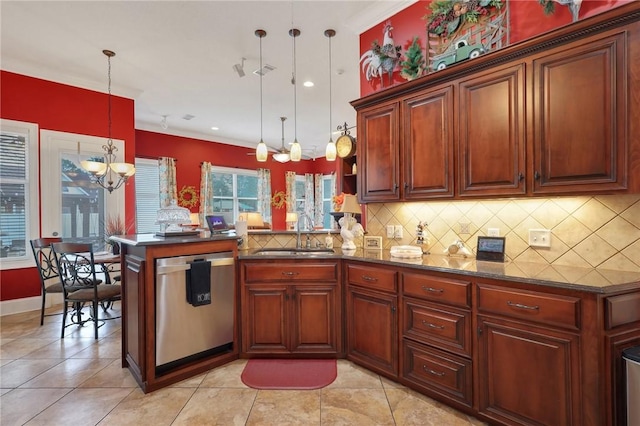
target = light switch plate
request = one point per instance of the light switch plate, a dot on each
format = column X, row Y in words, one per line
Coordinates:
column 493, row 232
column 539, row 238
column 390, row 231
column 398, row 232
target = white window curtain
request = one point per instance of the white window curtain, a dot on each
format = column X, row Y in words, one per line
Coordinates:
column 206, row 190
column 290, row 182
column 309, row 198
column 264, row 194
column 318, row 218
column 168, row 186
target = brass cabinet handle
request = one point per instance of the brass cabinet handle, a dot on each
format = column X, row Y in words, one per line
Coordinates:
column 433, row 290
column 536, row 175
column 520, row 176
column 521, row 306
column 370, row 279
column 430, row 325
column 290, row 273
column 433, row 372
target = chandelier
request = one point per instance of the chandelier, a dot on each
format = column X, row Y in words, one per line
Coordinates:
column 108, row 174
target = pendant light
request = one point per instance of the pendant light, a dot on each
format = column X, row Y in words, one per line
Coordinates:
column 296, row 150
column 104, row 172
column 262, row 152
column 330, row 152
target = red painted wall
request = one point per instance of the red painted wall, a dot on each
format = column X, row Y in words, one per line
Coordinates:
column 59, row 107
column 527, row 19
column 190, row 153
column 63, row 108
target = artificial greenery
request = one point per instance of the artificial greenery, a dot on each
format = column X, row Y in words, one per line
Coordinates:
column 414, row 65
column 447, row 15
column 548, row 6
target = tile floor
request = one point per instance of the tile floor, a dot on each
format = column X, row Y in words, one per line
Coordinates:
column 45, row 380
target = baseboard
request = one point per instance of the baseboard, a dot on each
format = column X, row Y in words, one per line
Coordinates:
column 27, row 304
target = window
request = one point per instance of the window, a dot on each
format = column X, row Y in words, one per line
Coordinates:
column 18, row 192
column 234, row 191
column 327, row 201
column 147, row 195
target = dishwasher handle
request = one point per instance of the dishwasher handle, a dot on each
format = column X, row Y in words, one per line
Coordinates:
column 215, row 262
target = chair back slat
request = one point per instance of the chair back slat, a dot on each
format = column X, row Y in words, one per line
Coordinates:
column 76, row 262
column 44, row 257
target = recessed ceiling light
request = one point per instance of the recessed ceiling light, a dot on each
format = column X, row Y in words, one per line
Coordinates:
column 308, row 84
column 215, row 128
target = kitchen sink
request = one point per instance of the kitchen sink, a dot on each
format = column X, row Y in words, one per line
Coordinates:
column 293, row 251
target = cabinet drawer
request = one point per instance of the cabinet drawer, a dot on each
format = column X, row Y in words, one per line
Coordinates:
column 438, row 289
column 622, row 309
column 448, row 328
column 290, row 271
column 446, row 374
column 381, row 279
column 563, row 311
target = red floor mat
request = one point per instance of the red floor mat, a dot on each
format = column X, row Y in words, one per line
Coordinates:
column 289, row 373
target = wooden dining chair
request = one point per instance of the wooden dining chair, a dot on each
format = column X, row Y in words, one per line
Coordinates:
column 80, row 286
column 45, row 262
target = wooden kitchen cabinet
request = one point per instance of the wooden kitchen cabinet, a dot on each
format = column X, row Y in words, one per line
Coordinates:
column 372, row 318
column 554, row 115
column 529, row 357
column 427, row 145
column 291, row 307
column 378, row 153
column 580, row 116
column 491, row 148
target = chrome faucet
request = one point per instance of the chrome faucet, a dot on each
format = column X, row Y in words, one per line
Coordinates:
column 308, row 228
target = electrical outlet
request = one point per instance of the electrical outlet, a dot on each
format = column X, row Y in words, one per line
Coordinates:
column 464, row 228
column 493, row 232
column 398, row 232
column 539, row 238
column 390, row 231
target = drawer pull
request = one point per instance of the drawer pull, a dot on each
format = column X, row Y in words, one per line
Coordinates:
column 430, row 325
column 521, row 306
column 433, row 290
column 432, row 372
column 290, row 273
column 370, row 279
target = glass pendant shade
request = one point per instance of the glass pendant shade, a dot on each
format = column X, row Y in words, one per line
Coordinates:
column 262, row 153
column 296, row 151
column 330, row 153
column 281, row 157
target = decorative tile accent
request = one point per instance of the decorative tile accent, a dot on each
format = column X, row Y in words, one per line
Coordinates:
column 601, row 231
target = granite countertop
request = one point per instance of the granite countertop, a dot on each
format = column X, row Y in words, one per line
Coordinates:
column 153, row 240
column 568, row 277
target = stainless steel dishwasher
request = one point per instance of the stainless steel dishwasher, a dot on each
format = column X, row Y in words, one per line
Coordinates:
column 185, row 332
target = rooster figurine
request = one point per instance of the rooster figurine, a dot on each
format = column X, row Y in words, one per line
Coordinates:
column 380, row 59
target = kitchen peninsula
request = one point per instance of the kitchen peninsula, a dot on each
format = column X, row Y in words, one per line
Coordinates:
column 150, row 312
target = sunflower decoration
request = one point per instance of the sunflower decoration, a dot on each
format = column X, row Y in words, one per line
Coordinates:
column 188, row 197
column 338, row 200
column 279, row 199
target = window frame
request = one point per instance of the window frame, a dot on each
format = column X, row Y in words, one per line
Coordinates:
column 146, row 162
column 235, row 172
column 32, row 191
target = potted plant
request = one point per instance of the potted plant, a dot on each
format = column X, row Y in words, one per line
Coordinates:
column 114, row 225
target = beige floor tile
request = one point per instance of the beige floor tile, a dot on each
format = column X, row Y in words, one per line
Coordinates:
column 21, row 371
column 355, row 407
column 21, row 347
column 112, row 376
column 215, row 406
column 193, row 382
column 351, row 376
column 285, row 408
column 68, row 374
column 61, row 348
column 157, row 408
column 410, row 408
column 226, row 376
column 20, row 405
column 109, row 347
column 81, row 407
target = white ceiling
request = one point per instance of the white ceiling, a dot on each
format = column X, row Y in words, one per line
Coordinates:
column 176, row 58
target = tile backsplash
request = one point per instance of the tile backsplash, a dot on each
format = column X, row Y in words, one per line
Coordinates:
column 599, row 231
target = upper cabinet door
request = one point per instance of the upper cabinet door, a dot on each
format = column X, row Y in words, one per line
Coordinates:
column 491, row 130
column 378, row 156
column 580, row 117
column 427, row 136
